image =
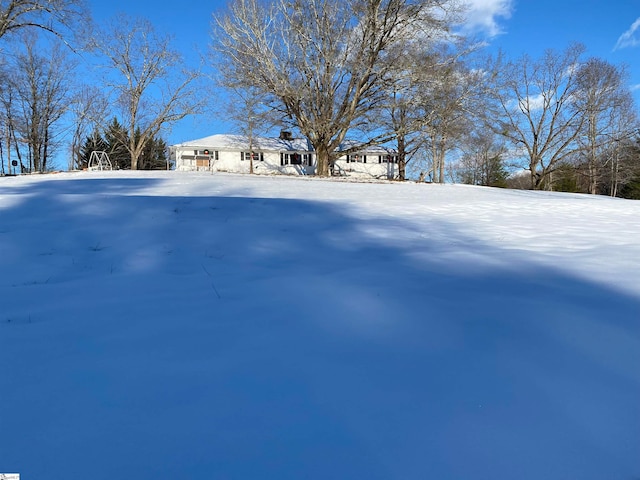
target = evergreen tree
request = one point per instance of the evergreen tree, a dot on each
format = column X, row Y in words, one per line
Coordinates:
column 631, row 190
column 630, row 186
column 482, row 162
column 496, row 173
column 117, row 139
column 154, row 155
column 114, row 140
column 565, row 179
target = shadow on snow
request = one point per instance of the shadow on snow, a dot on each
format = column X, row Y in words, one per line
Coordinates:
column 224, row 337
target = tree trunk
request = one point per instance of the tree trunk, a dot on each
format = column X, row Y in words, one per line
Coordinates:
column 402, row 168
column 434, row 163
column 250, row 135
column 402, row 158
column 533, row 169
column 323, row 160
column 441, row 166
column 538, row 180
column 593, row 177
column 614, row 176
column 9, row 166
column 45, row 151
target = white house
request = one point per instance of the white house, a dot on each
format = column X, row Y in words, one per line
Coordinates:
column 284, row 155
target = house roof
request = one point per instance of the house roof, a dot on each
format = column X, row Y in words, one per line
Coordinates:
column 370, row 150
column 241, row 142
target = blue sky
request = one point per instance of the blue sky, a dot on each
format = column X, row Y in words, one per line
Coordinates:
column 610, row 30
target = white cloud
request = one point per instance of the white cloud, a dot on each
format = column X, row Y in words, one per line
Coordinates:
column 482, row 16
column 534, row 102
column 630, row 38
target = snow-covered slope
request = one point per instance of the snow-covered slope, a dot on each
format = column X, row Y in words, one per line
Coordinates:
column 194, row 326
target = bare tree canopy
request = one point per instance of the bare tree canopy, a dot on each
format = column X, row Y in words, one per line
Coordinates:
column 603, row 99
column 35, row 97
column 54, row 16
column 88, row 107
column 430, row 98
column 535, row 108
column 248, row 111
column 323, row 63
column 482, row 159
column 448, row 103
column 153, row 88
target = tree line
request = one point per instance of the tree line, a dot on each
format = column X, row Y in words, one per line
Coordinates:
column 394, row 72
column 51, row 98
column 114, row 140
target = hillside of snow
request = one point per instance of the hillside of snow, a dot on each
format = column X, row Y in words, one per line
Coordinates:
column 202, row 327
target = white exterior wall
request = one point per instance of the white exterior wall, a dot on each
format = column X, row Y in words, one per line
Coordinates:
column 231, row 161
column 227, row 161
column 371, row 169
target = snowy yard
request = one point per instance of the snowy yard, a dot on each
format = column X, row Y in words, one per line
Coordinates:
column 202, row 327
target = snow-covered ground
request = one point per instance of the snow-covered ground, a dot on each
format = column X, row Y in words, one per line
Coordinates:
column 197, row 326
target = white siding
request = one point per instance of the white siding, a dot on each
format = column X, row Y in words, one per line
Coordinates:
column 232, row 161
column 372, row 168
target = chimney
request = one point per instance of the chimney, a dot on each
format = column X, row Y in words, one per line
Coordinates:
column 285, row 135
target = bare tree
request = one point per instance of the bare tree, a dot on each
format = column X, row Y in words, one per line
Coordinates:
column 447, row 102
column 54, row 16
column 535, row 109
column 6, row 121
column 88, row 108
column 8, row 100
column 417, row 102
column 58, row 17
column 401, row 114
column 602, row 96
column 404, row 127
column 35, row 99
column 482, row 159
column 621, row 154
column 153, row 88
column 323, row 63
column 247, row 109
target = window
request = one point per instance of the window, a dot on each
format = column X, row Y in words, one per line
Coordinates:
column 295, row 159
column 206, row 152
column 246, row 156
column 387, row 159
column 357, row 158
